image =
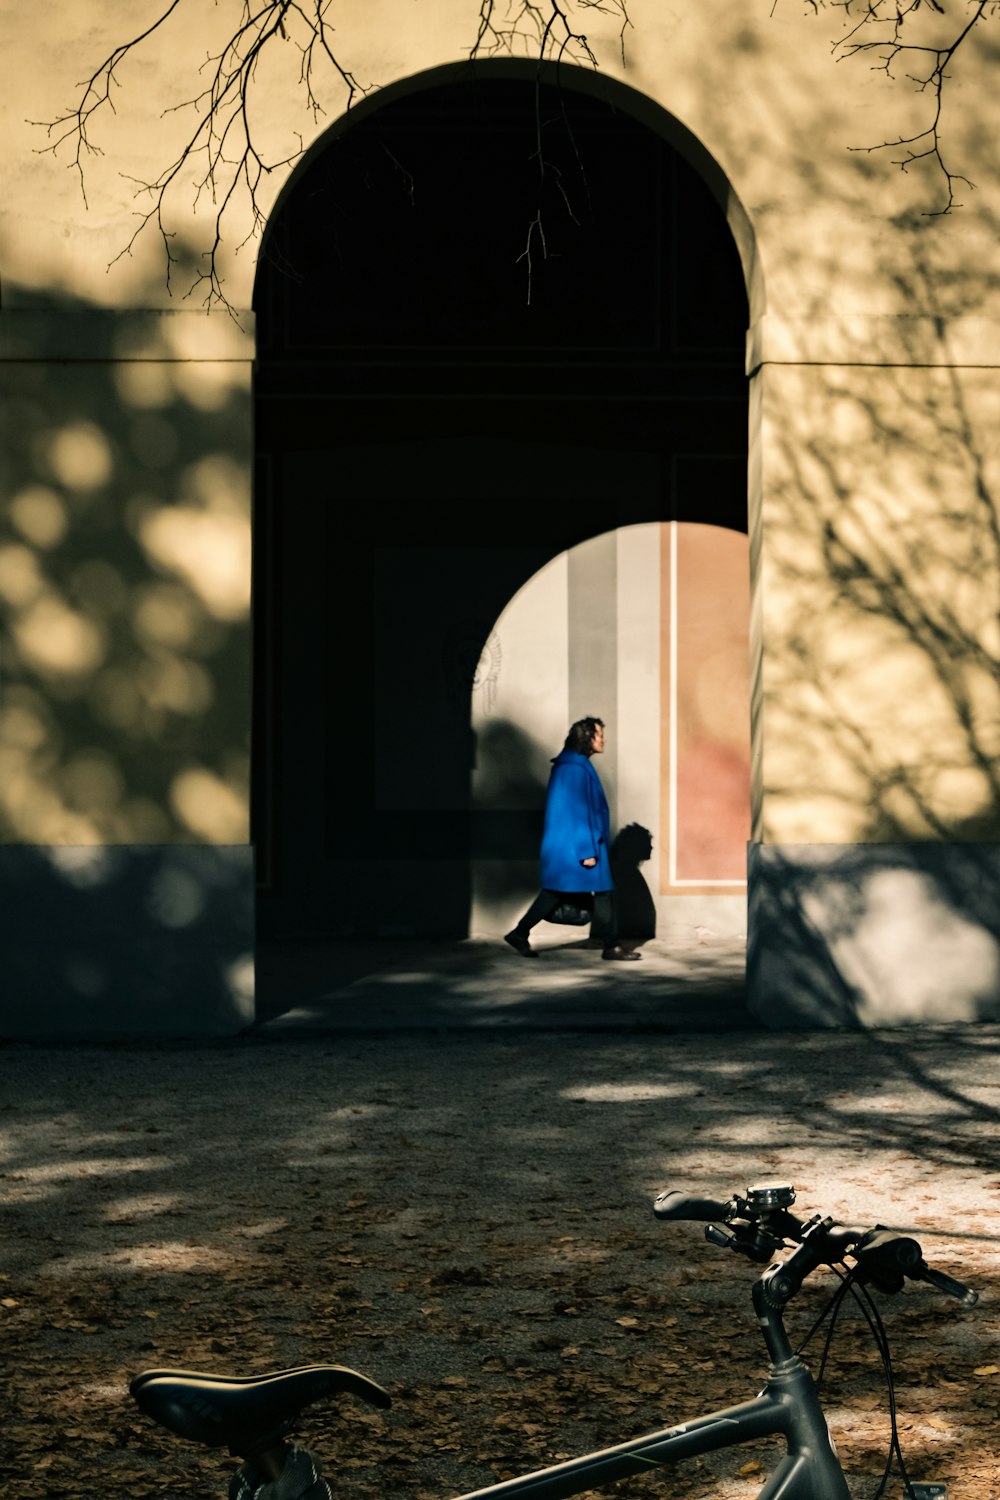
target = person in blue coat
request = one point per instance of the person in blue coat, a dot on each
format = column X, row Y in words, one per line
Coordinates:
column 576, row 843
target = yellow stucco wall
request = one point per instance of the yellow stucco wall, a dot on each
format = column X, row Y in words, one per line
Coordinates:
column 872, row 355
column 879, row 568
column 124, row 585
column 835, row 230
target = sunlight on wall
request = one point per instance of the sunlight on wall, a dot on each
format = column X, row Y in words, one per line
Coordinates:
column 82, row 867
column 207, row 543
column 80, row 456
column 20, row 577
column 125, row 581
column 881, row 546
column 240, row 980
column 58, row 641
column 40, row 516
column 211, row 808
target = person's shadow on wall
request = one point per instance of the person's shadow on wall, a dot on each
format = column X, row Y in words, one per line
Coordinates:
column 632, row 846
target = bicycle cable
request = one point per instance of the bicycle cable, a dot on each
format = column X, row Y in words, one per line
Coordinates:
column 832, row 1308
column 850, row 1286
column 873, row 1318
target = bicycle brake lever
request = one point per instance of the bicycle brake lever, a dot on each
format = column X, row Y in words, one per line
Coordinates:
column 759, row 1247
column 719, row 1236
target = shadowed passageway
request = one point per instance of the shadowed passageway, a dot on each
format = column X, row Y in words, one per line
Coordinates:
column 344, row 986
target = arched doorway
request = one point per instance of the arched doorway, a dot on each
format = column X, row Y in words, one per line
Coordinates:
column 428, row 439
column 648, row 627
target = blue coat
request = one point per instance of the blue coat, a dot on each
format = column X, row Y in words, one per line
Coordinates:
column 577, row 827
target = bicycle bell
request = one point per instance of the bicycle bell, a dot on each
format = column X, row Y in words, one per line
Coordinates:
column 770, row 1195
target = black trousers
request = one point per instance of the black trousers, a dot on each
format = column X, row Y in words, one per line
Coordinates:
column 605, row 914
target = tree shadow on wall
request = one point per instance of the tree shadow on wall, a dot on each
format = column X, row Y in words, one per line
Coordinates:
column 883, row 682
column 123, row 587
column 876, row 935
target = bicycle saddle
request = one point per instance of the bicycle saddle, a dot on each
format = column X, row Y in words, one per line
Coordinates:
column 223, row 1410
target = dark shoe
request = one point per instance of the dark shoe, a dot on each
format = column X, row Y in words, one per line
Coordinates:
column 520, row 944
column 621, row 955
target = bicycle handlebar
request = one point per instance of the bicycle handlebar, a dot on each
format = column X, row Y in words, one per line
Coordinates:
column 759, row 1225
column 675, row 1205
column 946, row 1284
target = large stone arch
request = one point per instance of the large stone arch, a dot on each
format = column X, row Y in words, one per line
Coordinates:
column 689, row 463
column 643, row 107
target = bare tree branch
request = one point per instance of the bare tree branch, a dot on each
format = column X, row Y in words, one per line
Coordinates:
column 223, row 147
column 96, row 93
column 543, row 29
column 883, row 29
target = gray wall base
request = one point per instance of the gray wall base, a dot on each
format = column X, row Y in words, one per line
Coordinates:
column 865, row 935
column 99, row 943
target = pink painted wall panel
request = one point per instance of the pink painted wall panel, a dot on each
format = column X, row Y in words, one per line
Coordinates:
column 706, row 707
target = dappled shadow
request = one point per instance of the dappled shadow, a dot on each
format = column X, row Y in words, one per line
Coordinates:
column 879, row 695
column 477, row 984
column 125, row 582
column 874, row 934
column 109, row 941
column 447, row 1208
column 958, row 1100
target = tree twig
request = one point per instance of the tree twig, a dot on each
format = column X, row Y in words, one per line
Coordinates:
column 882, row 29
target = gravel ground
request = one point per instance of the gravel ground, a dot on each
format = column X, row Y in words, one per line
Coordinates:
column 465, row 1216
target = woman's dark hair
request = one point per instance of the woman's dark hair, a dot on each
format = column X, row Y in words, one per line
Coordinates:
column 581, row 735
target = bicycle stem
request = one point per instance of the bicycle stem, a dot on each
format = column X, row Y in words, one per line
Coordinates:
column 781, row 1281
column 769, row 1317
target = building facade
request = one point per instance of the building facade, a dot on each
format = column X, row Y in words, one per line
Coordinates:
column 646, row 390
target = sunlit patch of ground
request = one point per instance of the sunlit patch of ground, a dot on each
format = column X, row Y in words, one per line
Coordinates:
column 466, row 1218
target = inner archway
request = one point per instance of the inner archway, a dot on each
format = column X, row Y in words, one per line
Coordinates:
column 648, row 628
column 428, row 439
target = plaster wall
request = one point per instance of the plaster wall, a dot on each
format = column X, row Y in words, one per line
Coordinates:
column 877, row 695
column 872, row 357
column 770, row 115
column 125, row 678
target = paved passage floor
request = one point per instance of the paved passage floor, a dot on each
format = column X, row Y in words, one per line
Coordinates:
column 687, row 984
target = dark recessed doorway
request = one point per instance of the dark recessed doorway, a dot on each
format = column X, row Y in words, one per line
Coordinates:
column 428, row 438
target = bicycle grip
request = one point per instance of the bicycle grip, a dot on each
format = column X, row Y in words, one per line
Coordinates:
column 675, row 1205
column 947, row 1284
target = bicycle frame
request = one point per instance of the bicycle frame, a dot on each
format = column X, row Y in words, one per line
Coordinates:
column 788, row 1406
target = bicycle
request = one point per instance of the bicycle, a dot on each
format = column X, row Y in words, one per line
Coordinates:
column 254, row 1415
